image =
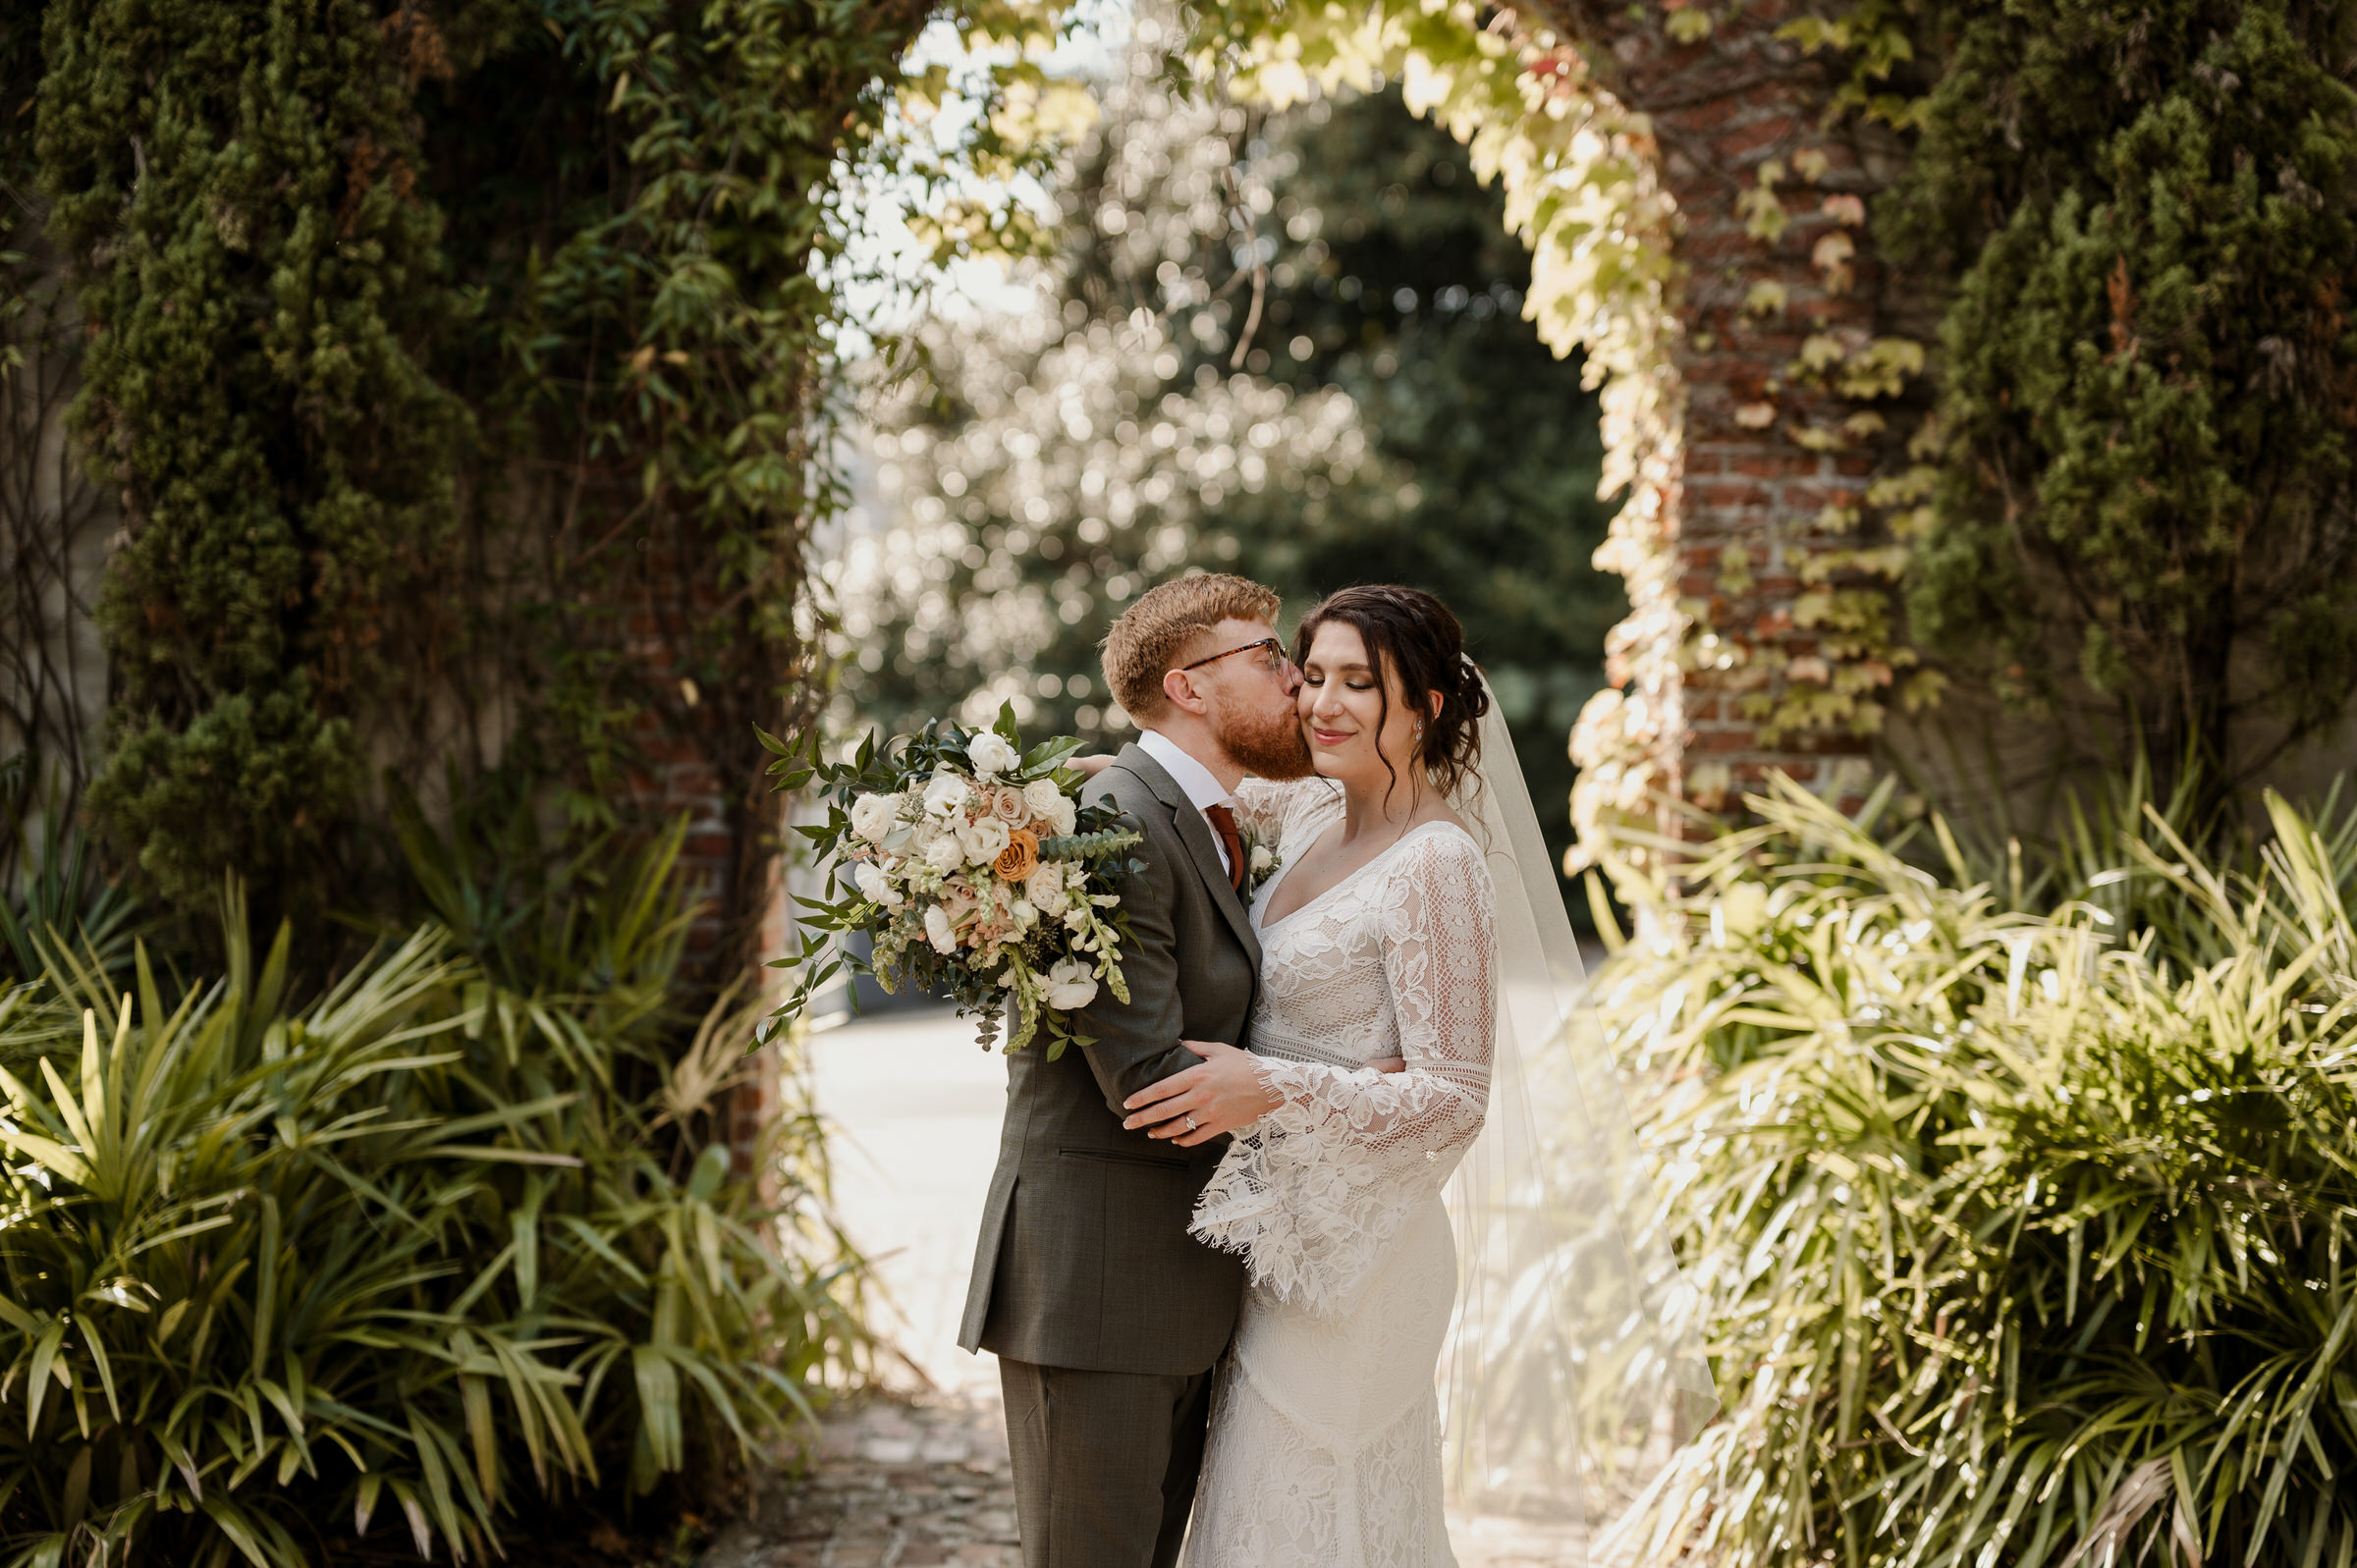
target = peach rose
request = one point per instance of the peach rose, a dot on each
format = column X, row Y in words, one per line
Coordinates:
column 1020, row 857
column 1009, row 806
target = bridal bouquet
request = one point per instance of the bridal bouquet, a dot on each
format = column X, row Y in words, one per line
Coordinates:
column 973, row 868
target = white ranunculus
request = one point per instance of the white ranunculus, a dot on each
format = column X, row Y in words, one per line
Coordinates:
column 877, row 887
column 983, row 840
column 937, row 932
column 1045, row 889
column 944, row 853
column 991, row 754
column 872, row 816
column 944, row 795
column 1069, row 986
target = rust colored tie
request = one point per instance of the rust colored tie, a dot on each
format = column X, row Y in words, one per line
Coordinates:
column 1222, row 822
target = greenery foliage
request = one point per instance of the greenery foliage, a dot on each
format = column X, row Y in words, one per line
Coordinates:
column 2019, row 1195
column 235, row 180
column 459, row 373
column 2149, row 384
column 428, row 1255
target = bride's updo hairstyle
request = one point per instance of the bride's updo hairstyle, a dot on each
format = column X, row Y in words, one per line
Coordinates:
column 1415, row 637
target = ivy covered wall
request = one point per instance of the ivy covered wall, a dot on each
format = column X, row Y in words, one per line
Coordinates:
column 455, row 368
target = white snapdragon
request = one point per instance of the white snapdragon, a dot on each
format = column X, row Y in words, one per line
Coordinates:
column 876, row 887
column 938, row 932
column 1069, row 986
column 944, row 795
column 872, row 816
column 984, row 840
column 991, row 754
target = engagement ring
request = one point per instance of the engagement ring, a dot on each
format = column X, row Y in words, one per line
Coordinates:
column 1190, row 1124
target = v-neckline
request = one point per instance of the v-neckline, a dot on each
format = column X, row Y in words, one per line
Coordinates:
column 1339, row 883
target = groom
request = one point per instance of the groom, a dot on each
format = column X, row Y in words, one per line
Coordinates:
column 1105, row 1316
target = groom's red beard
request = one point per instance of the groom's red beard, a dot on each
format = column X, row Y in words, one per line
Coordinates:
column 1271, row 748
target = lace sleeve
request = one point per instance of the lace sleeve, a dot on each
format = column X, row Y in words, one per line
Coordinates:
column 1312, row 1192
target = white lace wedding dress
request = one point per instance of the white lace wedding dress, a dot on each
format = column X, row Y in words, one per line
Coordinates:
column 1325, row 1448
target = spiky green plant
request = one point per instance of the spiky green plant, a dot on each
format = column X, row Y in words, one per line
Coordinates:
column 411, row 1255
column 2029, row 1234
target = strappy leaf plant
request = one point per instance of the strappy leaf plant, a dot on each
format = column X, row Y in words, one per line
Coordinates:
column 414, row 1261
column 2029, row 1234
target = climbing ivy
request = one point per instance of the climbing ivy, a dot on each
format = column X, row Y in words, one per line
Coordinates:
column 462, row 370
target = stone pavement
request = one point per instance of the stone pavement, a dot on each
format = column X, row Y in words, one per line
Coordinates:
column 898, row 1483
column 917, row 1473
column 895, row 1484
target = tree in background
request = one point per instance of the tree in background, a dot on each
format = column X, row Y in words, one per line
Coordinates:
column 2146, row 503
column 1286, row 345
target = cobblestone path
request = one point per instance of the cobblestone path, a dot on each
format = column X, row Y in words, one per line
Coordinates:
column 922, row 1478
column 896, row 1483
column 904, row 1483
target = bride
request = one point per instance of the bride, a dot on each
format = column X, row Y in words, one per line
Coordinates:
column 1368, row 1080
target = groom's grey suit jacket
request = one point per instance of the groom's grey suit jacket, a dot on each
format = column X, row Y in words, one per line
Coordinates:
column 1084, row 1259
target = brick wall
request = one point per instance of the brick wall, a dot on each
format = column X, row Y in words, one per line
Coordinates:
column 1749, row 494
column 702, row 761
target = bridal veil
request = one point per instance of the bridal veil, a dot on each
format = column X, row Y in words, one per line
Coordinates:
column 1574, row 1366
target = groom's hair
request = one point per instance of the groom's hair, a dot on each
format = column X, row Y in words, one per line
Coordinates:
column 1155, row 635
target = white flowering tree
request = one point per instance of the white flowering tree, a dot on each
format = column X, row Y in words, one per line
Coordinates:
column 1290, row 346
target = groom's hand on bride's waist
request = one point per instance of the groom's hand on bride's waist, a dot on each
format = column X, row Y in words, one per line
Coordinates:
column 1217, row 1096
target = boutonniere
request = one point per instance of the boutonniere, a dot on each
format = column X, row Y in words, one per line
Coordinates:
column 1260, row 863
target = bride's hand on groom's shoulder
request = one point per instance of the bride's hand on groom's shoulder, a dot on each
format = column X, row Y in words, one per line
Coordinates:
column 1218, row 1095
column 1090, row 765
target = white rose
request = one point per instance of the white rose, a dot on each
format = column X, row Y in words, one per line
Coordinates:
column 1045, row 889
column 982, row 841
column 944, row 795
column 937, row 932
column 1062, row 816
column 1263, row 862
column 1069, row 986
column 872, row 816
column 1042, row 798
column 944, row 853
column 876, row 886
column 990, row 753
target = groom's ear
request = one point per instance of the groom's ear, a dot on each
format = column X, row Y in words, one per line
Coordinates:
column 1180, row 686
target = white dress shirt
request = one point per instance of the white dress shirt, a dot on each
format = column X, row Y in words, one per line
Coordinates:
column 1202, row 789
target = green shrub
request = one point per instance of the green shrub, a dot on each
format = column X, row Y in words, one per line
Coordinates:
column 426, row 1254
column 2026, row 1232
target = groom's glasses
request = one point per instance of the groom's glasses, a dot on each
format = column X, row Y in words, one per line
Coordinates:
column 1273, row 661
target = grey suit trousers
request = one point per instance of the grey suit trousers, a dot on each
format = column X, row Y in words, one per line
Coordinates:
column 1105, row 1314
column 1089, row 1448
